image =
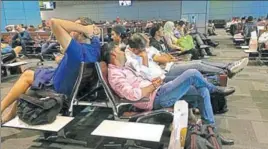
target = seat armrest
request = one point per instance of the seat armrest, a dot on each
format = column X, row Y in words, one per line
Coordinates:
column 146, row 115
column 175, row 52
column 123, row 100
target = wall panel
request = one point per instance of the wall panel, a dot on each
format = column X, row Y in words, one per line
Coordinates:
column 20, row 12
column 109, row 10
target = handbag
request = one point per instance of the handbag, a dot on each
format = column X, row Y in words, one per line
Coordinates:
column 186, row 42
column 202, row 137
column 40, row 109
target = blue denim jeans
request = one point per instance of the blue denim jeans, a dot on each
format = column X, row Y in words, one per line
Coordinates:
column 185, row 84
column 203, row 66
column 47, row 46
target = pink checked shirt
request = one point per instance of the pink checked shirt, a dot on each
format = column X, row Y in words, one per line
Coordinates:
column 127, row 84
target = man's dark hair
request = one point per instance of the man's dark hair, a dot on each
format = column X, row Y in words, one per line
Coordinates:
column 243, row 18
column 106, row 50
column 250, row 18
column 120, row 30
column 181, row 23
column 154, row 29
column 137, row 41
column 85, row 21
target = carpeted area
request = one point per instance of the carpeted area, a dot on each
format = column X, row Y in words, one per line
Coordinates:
column 246, row 121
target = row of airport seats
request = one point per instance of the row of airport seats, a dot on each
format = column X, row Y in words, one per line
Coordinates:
column 92, row 89
column 256, row 51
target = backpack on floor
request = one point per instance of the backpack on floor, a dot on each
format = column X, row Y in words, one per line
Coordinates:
column 219, row 104
column 40, row 109
column 202, row 137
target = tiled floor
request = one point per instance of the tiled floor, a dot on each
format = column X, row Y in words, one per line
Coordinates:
column 246, row 121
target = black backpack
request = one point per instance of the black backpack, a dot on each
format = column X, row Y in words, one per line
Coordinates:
column 202, row 137
column 40, row 109
column 219, row 104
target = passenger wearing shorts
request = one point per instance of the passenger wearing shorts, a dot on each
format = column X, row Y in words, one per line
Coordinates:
column 80, row 42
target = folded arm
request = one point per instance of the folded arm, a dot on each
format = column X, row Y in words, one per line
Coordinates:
column 62, row 29
column 121, row 86
column 171, row 45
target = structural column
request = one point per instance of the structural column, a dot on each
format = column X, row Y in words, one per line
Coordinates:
column 197, row 12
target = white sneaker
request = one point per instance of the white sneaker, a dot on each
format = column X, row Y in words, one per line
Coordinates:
column 237, row 66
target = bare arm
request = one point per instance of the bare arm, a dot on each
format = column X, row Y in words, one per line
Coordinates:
column 162, row 59
column 144, row 59
column 146, row 91
column 62, row 29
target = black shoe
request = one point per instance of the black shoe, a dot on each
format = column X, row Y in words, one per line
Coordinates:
column 203, row 46
column 226, row 141
column 211, row 54
column 225, row 91
column 213, row 44
column 40, row 56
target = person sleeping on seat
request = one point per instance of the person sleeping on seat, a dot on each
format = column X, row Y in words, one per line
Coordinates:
column 129, row 84
column 158, row 55
column 80, row 42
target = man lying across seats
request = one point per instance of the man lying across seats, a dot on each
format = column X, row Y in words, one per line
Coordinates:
column 158, row 55
column 129, row 84
column 80, row 42
column 6, row 49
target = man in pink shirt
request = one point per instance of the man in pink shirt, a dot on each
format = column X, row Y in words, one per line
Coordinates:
column 131, row 85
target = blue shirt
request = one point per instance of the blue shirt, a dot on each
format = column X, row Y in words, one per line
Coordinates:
column 7, row 49
column 67, row 72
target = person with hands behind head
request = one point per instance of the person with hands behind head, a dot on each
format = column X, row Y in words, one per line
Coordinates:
column 80, row 42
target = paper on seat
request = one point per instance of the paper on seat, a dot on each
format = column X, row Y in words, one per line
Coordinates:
column 56, row 126
column 129, row 130
column 250, row 51
column 244, row 47
column 15, row 64
column 239, row 39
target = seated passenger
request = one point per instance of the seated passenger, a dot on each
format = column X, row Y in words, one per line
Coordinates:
column 22, row 38
column 249, row 27
column 172, row 41
column 211, row 28
column 80, row 42
column 49, row 46
column 147, row 62
column 202, row 41
column 263, row 39
column 119, row 36
column 130, row 85
column 181, row 26
column 204, row 67
column 169, row 36
column 40, row 28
